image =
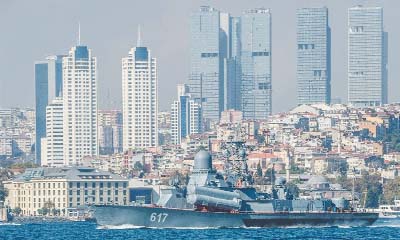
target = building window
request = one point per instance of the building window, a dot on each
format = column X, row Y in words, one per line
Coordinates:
column 78, row 192
column 78, row 184
column 70, row 184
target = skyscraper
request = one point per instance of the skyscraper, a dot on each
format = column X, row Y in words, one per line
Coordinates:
column 185, row 116
column 367, row 57
column 80, row 105
column 256, row 67
column 48, row 85
column 232, row 67
column 313, row 56
column 207, row 55
column 139, row 99
column 52, row 144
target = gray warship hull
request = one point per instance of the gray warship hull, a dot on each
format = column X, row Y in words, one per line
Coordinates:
column 159, row 217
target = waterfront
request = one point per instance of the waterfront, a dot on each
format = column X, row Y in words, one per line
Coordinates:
column 85, row 230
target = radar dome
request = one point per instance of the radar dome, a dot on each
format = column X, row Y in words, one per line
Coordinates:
column 202, row 160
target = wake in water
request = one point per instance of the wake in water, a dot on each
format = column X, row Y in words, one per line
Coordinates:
column 10, row 224
column 394, row 223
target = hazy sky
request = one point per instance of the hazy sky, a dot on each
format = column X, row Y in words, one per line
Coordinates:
column 32, row 30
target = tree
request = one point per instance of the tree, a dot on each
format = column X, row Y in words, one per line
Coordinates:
column 292, row 191
column 17, row 210
column 138, row 166
column 270, row 175
column 368, row 184
column 3, row 193
column 391, row 191
column 259, row 170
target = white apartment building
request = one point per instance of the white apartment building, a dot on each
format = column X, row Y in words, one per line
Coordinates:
column 80, row 105
column 185, row 116
column 52, row 144
column 139, row 99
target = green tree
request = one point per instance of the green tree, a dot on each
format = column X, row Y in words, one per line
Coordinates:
column 3, row 193
column 292, row 190
column 17, row 210
column 138, row 166
column 270, row 175
column 369, row 186
column 391, row 191
column 259, row 170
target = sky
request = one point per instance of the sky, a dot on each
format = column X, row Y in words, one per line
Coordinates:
column 32, row 30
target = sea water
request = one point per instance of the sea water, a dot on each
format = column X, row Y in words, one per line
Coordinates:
column 383, row 229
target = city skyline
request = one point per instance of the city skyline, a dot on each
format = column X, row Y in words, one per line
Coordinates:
column 283, row 90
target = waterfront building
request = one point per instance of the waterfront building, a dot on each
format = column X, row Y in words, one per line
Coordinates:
column 367, row 57
column 256, row 70
column 80, row 105
column 59, row 189
column 52, row 144
column 313, row 56
column 110, row 131
column 48, row 85
column 207, row 55
column 139, row 99
column 185, row 116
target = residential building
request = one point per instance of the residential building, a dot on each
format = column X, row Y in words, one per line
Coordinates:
column 80, row 105
column 256, row 70
column 185, row 116
column 313, row 56
column 48, row 85
column 139, row 99
column 52, row 144
column 367, row 57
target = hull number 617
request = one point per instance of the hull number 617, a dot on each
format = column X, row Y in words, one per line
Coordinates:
column 160, row 218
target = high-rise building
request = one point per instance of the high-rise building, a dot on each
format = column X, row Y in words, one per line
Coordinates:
column 313, row 56
column 185, row 116
column 80, row 105
column 48, row 85
column 256, row 70
column 207, row 55
column 110, row 131
column 52, row 144
column 367, row 57
column 139, row 99
column 232, row 67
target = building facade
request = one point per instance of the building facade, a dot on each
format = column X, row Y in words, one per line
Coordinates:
column 313, row 56
column 58, row 189
column 80, row 105
column 256, row 66
column 139, row 99
column 110, row 131
column 367, row 57
column 207, row 55
column 48, row 85
column 185, row 117
column 52, row 144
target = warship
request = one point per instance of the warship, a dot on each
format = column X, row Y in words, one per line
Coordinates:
column 228, row 199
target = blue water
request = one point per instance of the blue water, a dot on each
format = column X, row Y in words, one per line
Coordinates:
column 84, row 230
